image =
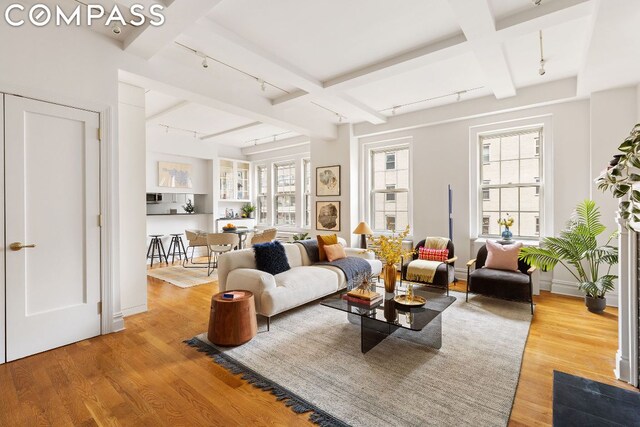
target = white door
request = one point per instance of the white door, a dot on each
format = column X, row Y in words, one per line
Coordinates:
column 52, row 240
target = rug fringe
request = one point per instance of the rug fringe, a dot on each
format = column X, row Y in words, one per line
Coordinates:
column 296, row 403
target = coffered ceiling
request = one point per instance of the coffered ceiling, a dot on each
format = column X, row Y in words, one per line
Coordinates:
column 303, row 64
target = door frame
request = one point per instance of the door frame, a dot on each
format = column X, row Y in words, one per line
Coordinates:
column 112, row 319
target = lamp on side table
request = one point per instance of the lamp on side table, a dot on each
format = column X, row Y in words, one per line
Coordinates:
column 363, row 230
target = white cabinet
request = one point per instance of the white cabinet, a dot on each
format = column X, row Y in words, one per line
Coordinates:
column 235, row 182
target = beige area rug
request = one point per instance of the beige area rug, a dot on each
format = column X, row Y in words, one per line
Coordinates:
column 183, row 277
column 311, row 359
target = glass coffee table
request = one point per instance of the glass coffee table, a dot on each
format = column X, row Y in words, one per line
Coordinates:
column 379, row 322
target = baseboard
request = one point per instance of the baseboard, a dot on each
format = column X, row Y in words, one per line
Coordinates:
column 565, row 287
column 623, row 369
column 134, row 310
column 118, row 322
column 545, row 285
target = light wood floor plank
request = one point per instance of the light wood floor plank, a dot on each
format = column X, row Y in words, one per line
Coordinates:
column 146, row 375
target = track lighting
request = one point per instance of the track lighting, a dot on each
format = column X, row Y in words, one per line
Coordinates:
column 263, row 85
column 205, row 64
column 393, row 111
column 537, row 2
column 116, row 29
column 541, row 70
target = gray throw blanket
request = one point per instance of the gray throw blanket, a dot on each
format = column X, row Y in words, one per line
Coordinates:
column 355, row 269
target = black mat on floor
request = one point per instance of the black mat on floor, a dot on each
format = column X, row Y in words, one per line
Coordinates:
column 581, row 402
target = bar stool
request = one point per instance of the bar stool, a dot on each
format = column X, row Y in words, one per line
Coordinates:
column 156, row 246
column 176, row 247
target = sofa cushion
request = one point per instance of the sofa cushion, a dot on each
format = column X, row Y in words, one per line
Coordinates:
column 297, row 286
column 502, row 257
column 271, row 257
column 330, row 239
column 512, row 285
column 334, row 252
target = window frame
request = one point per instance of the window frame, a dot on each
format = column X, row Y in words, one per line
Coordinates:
column 538, row 182
column 259, row 194
column 291, row 164
column 368, row 149
column 306, row 193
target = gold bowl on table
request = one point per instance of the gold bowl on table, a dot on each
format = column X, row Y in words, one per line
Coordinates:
column 415, row 301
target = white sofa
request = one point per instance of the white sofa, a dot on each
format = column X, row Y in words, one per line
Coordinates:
column 299, row 285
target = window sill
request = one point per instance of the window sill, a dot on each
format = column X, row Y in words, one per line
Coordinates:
column 525, row 242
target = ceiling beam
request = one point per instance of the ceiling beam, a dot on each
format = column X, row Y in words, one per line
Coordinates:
column 243, row 54
column 232, row 130
column 477, row 23
column 179, row 16
column 168, row 110
column 548, row 14
column 275, row 145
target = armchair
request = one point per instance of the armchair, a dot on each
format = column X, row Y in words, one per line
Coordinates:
column 509, row 285
column 445, row 274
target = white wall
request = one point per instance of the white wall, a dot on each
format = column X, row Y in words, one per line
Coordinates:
column 200, row 174
column 132, row 133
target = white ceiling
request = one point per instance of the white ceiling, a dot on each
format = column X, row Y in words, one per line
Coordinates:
column 332, row 61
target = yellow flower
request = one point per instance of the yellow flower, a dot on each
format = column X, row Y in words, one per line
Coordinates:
column 389, row 248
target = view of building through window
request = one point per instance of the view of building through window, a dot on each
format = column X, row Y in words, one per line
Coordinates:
column 261, row 198
column 285, row 193
column 510, row 171
column 306, row 170
column 390, row 188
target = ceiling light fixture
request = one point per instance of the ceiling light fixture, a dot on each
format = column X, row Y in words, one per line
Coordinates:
column 537, row 2
column 273, row 137
column 338, row 115
column 263, row 83
column 457, row 94
column 541, row 70
column 167, row 128
column 205, row 63
column 116, row 29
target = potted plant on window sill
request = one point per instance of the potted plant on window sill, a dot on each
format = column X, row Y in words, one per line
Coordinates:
column 247, row 210
column 578, row 251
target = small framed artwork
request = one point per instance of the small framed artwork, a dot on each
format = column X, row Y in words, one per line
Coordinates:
column 328, row 181
column 174, row 175
column 328, row 216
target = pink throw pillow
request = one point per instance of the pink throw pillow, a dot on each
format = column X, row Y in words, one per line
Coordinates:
column 502, row 257
column 334, row 252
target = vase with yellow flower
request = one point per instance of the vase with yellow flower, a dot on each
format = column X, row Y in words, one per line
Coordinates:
column 506, row 223
column 390, row 251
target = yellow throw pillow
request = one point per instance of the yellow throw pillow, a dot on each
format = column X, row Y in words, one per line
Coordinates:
column 330, row 239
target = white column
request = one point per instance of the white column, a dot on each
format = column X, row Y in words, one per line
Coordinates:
column 627, row 354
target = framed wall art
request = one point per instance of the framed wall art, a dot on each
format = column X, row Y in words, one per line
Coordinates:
column 328, row 216
column 174, row 175
column 328, row 180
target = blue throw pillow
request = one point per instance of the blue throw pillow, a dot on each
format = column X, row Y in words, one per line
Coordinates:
column 271, row 257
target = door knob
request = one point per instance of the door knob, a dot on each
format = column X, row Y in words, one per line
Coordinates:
column 16, row 246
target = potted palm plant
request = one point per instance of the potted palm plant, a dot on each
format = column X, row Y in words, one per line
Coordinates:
column 577, row 250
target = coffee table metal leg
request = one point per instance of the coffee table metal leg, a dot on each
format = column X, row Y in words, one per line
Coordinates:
column 372, row 332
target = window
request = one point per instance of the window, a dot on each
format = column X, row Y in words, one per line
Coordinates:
column 261, row 199
column 486, row 194
column 510, row 171
column 391, row 222
column 389, row 188
column 391, row 197
column 486, row 153
column 306, row 209
column 485, row 224
column 391, row 161
column 285, row 196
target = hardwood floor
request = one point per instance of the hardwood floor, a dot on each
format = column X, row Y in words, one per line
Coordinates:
column 147, row 376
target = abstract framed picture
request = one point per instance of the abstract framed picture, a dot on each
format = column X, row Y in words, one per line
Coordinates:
column 328, row 216
column 328, row 180
column 174, row 175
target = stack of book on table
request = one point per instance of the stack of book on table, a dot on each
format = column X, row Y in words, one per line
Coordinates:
column 363, row 298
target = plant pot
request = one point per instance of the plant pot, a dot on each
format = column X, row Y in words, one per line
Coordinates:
column 390, row 276
column 595, row 305
column 507, row 235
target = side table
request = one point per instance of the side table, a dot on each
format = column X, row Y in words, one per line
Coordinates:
column 232, row 321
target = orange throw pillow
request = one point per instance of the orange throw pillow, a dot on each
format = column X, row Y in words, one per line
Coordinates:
column 330, row 239
column 334, row 252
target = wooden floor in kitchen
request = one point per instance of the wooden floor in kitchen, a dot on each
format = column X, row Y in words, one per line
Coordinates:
column 145, row 375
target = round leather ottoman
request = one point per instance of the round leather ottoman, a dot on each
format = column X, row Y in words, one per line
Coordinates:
column 232, row 321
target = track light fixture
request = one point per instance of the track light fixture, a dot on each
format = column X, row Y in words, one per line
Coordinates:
column 541, row 70
column 537, row 2
column 393, row 111
column 457, row 94
column 205, row 64
column 263, row 84
column 116, row 28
